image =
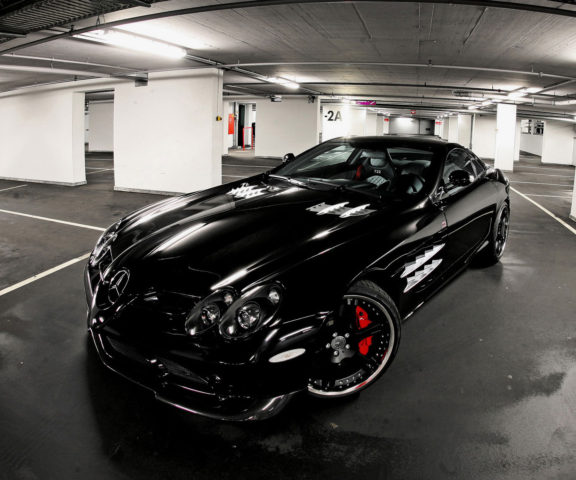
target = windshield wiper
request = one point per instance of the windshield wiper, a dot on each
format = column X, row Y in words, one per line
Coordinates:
column 291, row 180
column 343, row 187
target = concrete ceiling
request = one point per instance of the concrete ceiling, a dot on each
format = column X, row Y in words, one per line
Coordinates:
column 445, row 55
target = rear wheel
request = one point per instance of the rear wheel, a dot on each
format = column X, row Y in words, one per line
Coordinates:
column 359, row 343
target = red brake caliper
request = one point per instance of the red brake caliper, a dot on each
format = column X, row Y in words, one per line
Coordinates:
column 362, row 321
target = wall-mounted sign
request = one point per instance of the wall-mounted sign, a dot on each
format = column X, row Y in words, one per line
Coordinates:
column 332, row 116
column 366, row 102
column 231, row 124
column 386, row 119
column 413, row 112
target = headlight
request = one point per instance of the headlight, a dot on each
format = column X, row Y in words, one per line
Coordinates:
column 255, row 309
column 209, row 311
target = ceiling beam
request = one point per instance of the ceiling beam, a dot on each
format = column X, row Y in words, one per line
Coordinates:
column 54, row 71
column 270, row 3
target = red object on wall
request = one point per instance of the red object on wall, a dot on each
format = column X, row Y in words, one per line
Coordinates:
column 413, row 112
column 231, row 124
column 386, row 119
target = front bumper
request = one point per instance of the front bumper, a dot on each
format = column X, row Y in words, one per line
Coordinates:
column 179, row 376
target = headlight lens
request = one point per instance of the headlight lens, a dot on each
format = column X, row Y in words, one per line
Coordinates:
column 208, row 312
column 255, row 309
column 249, row 315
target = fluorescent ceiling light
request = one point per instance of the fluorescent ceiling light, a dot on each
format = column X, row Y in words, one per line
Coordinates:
column 473, row 107
column 486, row 103
column 533, row 89
column 134, row 42
column 284, row 82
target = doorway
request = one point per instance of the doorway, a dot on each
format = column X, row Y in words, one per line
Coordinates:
column 99, row 137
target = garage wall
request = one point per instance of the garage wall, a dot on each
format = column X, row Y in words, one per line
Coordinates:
column 452, row 134
column 531, row 143
column 370, row 128
column 484, row 136
column 42, row 137
column 101, row 127
column 166, row 136
column 287, row 126
column 558, row 142
column 227, row 139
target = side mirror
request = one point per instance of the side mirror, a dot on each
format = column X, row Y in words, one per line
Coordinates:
column 460, row 178
column 288, row 158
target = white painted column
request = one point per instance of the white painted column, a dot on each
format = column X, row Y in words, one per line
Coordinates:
column 379, row 124
column 439, row 127
column 386, row 130
column 371, row 122
column 505, row 133
column 452, row 135
column 342, row 120
column 166, row 135
column 289, row 126
column 42, row 137
column 517, row 141
column 573, row 209
column 484, row 136
column 558, row 142
column 464, row 130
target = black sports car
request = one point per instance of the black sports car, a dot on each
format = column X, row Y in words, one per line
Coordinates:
column 229, row 301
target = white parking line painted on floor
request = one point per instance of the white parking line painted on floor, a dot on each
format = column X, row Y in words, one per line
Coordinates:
column 545, row 174
column 100, row 171
column 559, row 168
column 537, row 183
column 545, row 210
column 43, row 274
column 567, row 197
column 248, row 166
column 12, row 188
column 46, row 219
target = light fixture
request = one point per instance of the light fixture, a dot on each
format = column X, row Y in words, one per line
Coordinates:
column 134, row 42
column 284, row 82
column 533, row 89
column 486, row 103
column 517, row 94
column 473, row 107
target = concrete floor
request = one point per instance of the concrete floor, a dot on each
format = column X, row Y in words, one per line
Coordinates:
column 483, row 387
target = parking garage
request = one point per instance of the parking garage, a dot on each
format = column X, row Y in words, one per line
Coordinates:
column 108, row 107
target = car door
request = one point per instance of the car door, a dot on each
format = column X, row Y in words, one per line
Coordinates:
column 469, row 210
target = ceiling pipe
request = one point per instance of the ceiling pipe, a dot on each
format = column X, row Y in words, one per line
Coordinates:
column 270, row 3
column 54, row 71
column 60, row 60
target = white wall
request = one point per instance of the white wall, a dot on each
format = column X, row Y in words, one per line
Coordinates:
column 42, row 136
column 166, row 136
column 342, row 121
column 100, row 135
column 484, row 136
column 558, row 142
column 386, row 130
column 426, row 127
column 289, row 126
column 379, row 124
column 531, row 143
column 439, row 128
column 517, row 141
column 404, row 125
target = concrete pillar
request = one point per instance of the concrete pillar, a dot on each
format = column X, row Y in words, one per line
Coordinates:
column 517, row 141
column 505, row 133
column 558, row 142
column 464, row 130
column 379, row 124
column 167, row 137
column 386, row 130
column 342, row 120
column 42, row 137
column 289, row 126
column 227, row 138
column 439, row 127
column 371, row 122
column 452, row 135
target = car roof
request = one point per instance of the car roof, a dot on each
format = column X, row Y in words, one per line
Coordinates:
column 395, row 140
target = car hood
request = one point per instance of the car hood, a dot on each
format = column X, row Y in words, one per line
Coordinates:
column 236, row 228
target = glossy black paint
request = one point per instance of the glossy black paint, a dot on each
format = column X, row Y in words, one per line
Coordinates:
column 179, row 251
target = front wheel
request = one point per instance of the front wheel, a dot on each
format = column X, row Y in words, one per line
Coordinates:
column 358, row 344
column 492, row 253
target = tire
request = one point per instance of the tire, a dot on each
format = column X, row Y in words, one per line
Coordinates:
column 358, row 344
column 492, row 253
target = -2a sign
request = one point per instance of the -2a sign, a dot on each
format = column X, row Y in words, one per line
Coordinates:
column 332, row 116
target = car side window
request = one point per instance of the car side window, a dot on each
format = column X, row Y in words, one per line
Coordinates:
column 457, row 159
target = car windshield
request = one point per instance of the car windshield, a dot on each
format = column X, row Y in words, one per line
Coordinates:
column 394, row 171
